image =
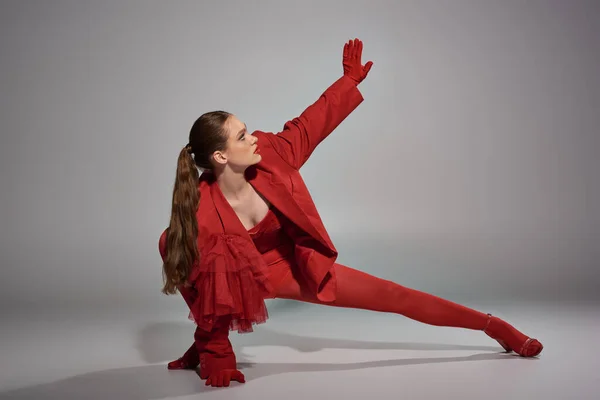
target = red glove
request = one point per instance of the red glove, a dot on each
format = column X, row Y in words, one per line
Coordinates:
column 352, row 63
column 218, row 370
column 223, row 377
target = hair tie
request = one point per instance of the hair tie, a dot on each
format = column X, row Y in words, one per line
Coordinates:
column 188, row 147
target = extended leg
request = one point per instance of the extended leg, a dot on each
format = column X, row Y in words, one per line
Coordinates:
column 356, row 289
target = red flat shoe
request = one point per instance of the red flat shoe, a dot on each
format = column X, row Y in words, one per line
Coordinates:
column 511, row 339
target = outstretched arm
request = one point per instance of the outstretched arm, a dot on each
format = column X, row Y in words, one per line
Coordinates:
column 300, row 136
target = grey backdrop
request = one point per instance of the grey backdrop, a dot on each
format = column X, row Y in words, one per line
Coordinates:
column 470, row 170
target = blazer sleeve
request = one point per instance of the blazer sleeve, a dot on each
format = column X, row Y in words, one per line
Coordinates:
column 301, row 135
column 214, row 348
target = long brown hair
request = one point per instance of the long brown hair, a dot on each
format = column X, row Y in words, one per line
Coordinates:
column 207, row 135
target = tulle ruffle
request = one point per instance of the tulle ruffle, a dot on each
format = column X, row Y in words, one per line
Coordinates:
column 230, row 280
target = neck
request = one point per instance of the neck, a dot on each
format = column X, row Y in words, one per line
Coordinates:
column 233, row 185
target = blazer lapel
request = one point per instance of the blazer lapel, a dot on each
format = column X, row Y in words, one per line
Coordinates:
column 271, row 187
column 268, row 185
column 229, row 220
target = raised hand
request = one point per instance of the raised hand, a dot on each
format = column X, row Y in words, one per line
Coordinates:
column 351, row 61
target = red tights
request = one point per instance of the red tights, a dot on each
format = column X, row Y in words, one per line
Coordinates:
column 356, row 289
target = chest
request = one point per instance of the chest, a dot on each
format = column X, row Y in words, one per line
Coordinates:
column 252, row 209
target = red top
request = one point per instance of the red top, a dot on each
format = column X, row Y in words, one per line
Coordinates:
column 270, row 237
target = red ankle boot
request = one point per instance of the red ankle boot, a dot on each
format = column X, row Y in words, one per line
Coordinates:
column 189, row 360
column 511, row 339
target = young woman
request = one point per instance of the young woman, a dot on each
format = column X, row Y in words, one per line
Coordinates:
column 247, row 229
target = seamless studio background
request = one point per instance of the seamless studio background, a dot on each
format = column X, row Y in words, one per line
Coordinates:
column 470, row 171
column 471, row 168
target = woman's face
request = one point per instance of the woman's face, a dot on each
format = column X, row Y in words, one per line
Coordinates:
column 241, row 146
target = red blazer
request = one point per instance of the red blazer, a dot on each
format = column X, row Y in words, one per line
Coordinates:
column 278, row 179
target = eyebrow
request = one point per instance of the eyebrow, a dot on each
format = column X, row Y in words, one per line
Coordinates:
column 240, row 132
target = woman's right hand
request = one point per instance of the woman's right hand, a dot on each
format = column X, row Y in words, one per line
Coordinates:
column 351, row 61
column 223, row 377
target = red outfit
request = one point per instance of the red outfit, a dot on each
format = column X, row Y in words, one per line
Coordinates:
column 289, row 253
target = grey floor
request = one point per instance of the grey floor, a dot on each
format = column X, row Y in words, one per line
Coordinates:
column 304, row 351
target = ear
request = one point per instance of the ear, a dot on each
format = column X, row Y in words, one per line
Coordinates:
column 220, row 157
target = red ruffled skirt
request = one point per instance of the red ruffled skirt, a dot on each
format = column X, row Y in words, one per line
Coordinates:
column 229, row 280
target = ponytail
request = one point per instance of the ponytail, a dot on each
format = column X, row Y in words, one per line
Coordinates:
column 181, row 242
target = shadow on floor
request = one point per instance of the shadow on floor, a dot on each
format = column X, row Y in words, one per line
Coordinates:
column 163, row 341
column 159, row 342
column 156, row 382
